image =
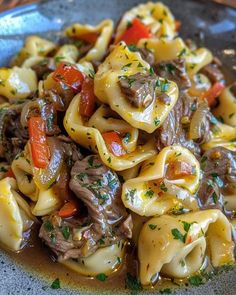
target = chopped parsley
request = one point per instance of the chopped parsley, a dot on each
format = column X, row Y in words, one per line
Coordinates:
column 186, row 225
column 101, row 277
column 213, row 120
column 119, row 259
column 50, row 121
column 149, row 193
column 48, row 226
column 170, row 68
column 151, row 71
column 133, row 284
column 157, row 121
column 163, row 85
column 195, row 280
column 126, row 66
column 58, row 58
column 81, row 176
column 127, row 138
column 65, row 230
column 3, row 169
column 112, row 183
column 163, row 187
column 130, row 195
column 133, row 48
column 152, row 226
column 178, row 235
column 56, row 284
column 215, row 198
column 109, row 160
column 140, row 65
column 182, row 52
column 101, row 241
column 217, row 179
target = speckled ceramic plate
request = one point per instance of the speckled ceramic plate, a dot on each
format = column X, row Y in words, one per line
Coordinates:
column 209, row 24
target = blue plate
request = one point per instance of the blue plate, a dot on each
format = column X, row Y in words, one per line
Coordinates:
column 207, row 23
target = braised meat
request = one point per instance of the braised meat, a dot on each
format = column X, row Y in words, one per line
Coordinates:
column 174, row 130
column 174, row 70
column 107, row 221
column 219, row 176
column 213, row 72
column 139, row 89
column 44, row 67
column 147, row 55
column 13, row 136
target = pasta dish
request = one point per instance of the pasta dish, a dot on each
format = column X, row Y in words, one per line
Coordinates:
column 118, row 151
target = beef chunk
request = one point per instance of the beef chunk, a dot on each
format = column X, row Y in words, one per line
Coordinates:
column 44, row 67
column 107, row 221
column 213, row 72
column 139, row 89
column 147, row 55
column 13, row 136
column 174, row 70
column 219, row 176
column 174, row 130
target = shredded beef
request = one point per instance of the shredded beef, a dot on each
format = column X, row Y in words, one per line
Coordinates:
column 219, row 176
column 139, row 89
column 44, row 67
column 174, row 130
column 147, row 55
column 107, row 221
column 174, row 70
column 13, row 136
column 213, row 72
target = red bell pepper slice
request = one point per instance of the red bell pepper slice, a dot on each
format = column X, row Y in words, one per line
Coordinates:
column 87, row 98
column 114, row 143
column 69, row 75
column 69, row 209
column 135, row 32
column 38, row 142
column 213, row 93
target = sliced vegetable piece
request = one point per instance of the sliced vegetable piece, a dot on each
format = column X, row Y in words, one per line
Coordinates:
column 38, row 141
column 87, row 100
column 213, row 93
column 114, row 143
column 69, row 209
column 135, row 32
column 69, row 75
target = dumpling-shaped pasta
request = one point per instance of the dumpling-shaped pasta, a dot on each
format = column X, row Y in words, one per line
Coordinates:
column 176, row 245
column 101, row 33
column 165, row 181
column 47, row 202
column 67, row 53
column 17, row 83
column 227, row 106
column 15, row 216
column 120, row 64
column 91, row 138
column 156, row 16
column 171, row 49
column 105, row 260
column 221, row 135
column 34, row 46
column 23, row 172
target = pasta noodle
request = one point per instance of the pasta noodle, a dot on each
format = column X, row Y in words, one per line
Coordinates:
column 15, row 218
column 91, row 138
column 123, row 63
column 150, row 193
column 166, row 252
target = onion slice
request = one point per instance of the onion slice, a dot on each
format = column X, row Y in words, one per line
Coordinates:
column 197, row 121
